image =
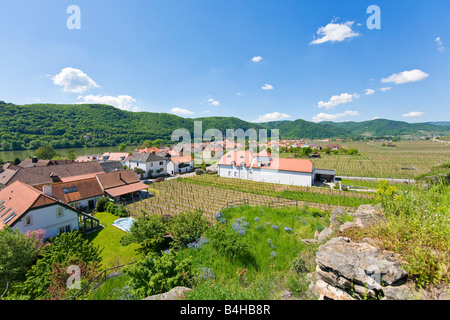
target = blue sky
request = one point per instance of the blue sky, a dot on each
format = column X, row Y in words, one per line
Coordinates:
column 255, row 60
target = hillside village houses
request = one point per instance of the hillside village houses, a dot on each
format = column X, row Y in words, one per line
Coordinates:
column 263, row 167
column 58, row 195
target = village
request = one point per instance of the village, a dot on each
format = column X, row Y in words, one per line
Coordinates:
column 59, row 196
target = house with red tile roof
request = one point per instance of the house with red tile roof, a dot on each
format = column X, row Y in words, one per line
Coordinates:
column 26, row 208
column 261, row 167
column 177, row 165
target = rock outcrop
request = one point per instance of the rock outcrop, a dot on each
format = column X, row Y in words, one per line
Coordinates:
column 174, row 294
column 350, row 270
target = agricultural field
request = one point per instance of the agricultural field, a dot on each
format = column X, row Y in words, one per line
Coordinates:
column 211, row 194
column 406, row 160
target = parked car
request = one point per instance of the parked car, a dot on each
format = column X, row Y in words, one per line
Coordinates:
column 159, row 179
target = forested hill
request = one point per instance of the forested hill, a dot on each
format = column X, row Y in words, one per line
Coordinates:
column 70, row 126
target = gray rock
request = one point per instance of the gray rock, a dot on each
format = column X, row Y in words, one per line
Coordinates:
column 358, row 267
column 174, row 294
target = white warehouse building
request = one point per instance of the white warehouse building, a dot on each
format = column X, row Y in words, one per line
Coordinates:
column 263, row 168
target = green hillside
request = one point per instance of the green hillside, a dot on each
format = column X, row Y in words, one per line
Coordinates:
column 79, row 125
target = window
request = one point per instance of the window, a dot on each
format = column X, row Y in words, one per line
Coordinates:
column 65, row 229
column 70, row 190
column 160, row 163
column 27, row 220
column 59, row 212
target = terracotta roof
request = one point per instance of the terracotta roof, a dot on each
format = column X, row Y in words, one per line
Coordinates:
column 82, row 177
column 264, row 153
column 237, row 157
column 149, row 150
column 114, row 156
column 17, row 199
column 119, row 191
column 116, row 179
column 294, row 165
column 182, row 159
column 76, row 190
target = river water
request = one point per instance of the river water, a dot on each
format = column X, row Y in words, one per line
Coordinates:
column 8, row 156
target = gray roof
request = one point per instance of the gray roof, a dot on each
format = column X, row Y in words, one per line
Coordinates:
column 111, row 166
column 325, row 172
column 146, row 157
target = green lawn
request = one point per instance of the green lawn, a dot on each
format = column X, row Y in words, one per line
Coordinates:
column 108, row 238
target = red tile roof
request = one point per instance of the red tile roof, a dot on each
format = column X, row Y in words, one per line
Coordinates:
column 17, row 199
column 87, row 188
column 117, row 178
column 119, row 191
column 182, row 159
column 237, row 157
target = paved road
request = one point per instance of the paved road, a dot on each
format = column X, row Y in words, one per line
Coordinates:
column 377, row 179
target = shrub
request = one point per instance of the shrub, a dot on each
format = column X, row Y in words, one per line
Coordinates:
column 101, row 204
column 227, row 242
column 155, row 274
column 148, row 231
column 186, row 228
column 64, row 250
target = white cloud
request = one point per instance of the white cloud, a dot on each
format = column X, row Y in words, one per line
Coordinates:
column 332, row 117
column 213, row 102
column 239, row 94
column 181, row 111
column 123, row 102
column 267, row 87
column 275, row 116
column 440, row 44
column 369, row 92
column 406, row 77
column 385, row 89
column 337, row 100
column 257, row 59
column 335, row 32
column 73, row 80
column 413, row 114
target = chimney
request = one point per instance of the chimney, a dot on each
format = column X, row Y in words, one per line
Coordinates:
column 55, row 177
column 47, row 189
column 34, row 160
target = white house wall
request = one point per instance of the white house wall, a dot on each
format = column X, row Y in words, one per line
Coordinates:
column 46, row 218
column 267, row 175
column 147, row 166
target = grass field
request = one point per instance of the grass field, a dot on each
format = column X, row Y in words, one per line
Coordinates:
column 108, row 238
column 265, row 273
column 385, row 162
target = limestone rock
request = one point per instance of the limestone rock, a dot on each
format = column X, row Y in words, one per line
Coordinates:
column 360, row 269
column 174, row 294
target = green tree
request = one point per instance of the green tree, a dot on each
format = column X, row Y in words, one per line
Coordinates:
column 188, row 227
column 71, row 155
column 45, row 152
column 63, row 251
column 18, row 252
column 122, row 147
column 352, row 151
column 147, row 144
column 156, row 273
column 148, row 231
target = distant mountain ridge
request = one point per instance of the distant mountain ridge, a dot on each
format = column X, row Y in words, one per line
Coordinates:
column 79, row 125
